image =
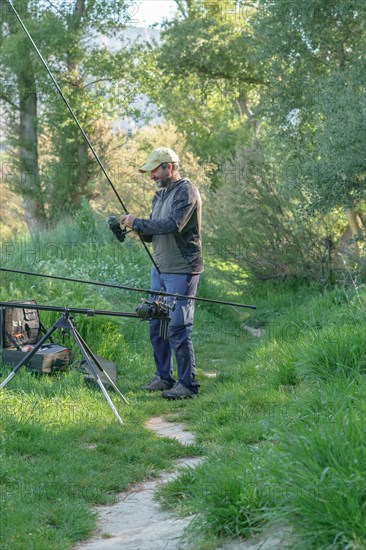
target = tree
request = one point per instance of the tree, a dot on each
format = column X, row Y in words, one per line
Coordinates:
column 91, row 77
column 17, row 65
column 314, row 54
column 272, row 59
column 66, row 34
column 205, row 79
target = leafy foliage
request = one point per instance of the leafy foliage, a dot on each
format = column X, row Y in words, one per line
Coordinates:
column 315, row 67
column 267, row 98
column 90, row 77
column 272, row 241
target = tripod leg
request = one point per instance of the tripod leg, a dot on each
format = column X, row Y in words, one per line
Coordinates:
column 29, row 355
column 100, row 366
column 95, row 374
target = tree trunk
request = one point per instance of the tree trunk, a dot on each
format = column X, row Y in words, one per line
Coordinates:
column 355, row 224
column 34, row 211
column 82, row 175
column 79, row 152
column 26, row 133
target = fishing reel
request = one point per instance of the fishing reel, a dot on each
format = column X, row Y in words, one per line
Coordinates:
column 156, row 309
column 153, row 309
column 116, row 228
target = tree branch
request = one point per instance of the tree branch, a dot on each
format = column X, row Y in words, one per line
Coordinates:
column 96, row 81
column 5, row 98
column 216, row 74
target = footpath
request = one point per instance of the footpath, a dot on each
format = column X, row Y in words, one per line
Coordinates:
column 137, row 522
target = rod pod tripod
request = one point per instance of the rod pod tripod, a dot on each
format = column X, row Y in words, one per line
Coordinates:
column 65, row 322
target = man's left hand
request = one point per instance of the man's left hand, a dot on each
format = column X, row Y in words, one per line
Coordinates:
column 128, row 220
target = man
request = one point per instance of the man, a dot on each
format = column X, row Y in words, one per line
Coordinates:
column 174, row 228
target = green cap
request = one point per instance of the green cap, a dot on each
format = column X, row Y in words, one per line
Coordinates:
column 157, row 157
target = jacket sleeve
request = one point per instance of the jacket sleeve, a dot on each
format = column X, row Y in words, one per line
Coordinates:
column 183, row 206
column 145, row 237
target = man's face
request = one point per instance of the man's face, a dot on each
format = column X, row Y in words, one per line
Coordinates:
column 162, row 176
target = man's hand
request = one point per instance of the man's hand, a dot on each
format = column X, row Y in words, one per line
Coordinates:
column 128, row 220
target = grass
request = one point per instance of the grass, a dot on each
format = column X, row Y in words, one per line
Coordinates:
column 285, row 431
column 281, row 424
column 318, row 468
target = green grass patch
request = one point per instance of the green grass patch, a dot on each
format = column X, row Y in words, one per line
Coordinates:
column 317, row 467
column 284, row 429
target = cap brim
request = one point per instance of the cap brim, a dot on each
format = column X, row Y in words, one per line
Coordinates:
column 148, row 167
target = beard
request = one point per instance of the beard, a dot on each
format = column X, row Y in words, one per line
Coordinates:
column 165, row 181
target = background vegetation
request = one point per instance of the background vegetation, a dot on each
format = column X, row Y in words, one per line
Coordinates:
column 264, row 103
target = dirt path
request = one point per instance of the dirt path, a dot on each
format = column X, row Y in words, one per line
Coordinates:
column 136, row 521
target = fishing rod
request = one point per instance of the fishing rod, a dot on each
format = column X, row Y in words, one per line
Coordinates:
column 78, row 125
column 66, row 309
column 133, row 289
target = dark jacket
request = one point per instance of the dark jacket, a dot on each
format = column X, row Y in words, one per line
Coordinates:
column 174, row 228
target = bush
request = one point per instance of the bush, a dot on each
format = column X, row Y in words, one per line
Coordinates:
column 262, row 228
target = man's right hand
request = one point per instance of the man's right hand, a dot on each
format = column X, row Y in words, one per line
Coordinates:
column 127, row 220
